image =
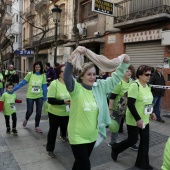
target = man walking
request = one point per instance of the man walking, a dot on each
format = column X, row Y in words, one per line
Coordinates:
column 157, row 79
column 51, row 74
column 11, row 75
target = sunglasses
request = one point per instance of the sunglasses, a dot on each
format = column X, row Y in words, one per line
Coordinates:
column 147, row 75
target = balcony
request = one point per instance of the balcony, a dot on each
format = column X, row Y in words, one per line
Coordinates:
column 130, row 13
column 63, row 32
column 30, row 11
column 41, row 4
column 7, row 20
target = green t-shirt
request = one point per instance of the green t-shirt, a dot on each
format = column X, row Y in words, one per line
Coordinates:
column 1, row 78
column 58, row 90
column 120, row 90
column 143, row 97
column 82, row 126
column 9, row 103
column 35, row 82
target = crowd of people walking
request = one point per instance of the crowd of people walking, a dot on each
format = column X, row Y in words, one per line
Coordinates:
column 83, row 107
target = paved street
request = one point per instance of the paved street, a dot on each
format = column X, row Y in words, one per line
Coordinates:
column 27, row 151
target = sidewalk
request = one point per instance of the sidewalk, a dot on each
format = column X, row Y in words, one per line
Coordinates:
column 28, row 150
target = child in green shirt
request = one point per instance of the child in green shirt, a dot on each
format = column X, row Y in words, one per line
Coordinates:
column 9, row 109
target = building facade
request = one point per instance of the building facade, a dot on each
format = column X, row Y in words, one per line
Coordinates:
column 10, row 25
column 141, row 25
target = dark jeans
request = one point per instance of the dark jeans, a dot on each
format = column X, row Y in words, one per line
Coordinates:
column 14, row 120
column 54, row 122
column 157, row 106
column 1, row 91
column 143, row 151
column 82, row 154
column 30, row 107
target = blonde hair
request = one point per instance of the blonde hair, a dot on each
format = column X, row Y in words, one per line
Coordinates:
column 85, row 67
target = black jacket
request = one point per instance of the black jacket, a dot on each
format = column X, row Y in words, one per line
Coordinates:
column 157, row 79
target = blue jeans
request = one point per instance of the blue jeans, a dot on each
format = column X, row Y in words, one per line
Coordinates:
column 30, row 107
column 157, row 106
column 114, row 136
column 1, row 91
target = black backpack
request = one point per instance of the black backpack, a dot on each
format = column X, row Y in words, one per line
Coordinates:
column 122, row 103
column 13, row 78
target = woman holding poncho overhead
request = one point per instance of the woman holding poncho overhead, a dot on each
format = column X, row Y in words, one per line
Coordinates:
column 89, row 113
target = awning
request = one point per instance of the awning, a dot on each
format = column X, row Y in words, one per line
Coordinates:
column 93, row 40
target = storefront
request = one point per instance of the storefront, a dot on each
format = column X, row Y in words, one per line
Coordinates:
column 144, row 48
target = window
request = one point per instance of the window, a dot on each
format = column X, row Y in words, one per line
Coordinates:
column 16, row 18
column 16, row 38
column 86, row 12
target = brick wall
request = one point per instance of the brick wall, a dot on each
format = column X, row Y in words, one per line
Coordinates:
column 113, row 50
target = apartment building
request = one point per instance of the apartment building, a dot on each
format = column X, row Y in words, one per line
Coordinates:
column 10, row 26
column 38, row 32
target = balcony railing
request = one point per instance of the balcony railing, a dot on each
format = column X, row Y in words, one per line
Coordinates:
column 40, row 4
column 30, row 11
column 134, row 9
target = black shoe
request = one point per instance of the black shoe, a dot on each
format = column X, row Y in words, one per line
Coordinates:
column 114, row 155
column 147, row 167
column 134, row 147
column 160, row 120
column 51, row 154
column 8, row 130
column 14, row 132
column 120, row 130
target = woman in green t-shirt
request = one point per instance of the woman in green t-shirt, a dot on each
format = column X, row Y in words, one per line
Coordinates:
column 137, row 118
column 58, row 110
column 36, row 92
column 166, row 159
column 89, row 113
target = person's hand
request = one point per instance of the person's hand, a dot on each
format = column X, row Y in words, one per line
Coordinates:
column 140, row 123
column 126, row 58
column 67, row 102
column 81, row 49
column 153, row 116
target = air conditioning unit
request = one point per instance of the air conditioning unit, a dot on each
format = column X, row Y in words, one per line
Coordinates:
column 79, row 26
column 165, row 37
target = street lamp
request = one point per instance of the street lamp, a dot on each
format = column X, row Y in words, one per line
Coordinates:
column 56, row 11
column 12, row 39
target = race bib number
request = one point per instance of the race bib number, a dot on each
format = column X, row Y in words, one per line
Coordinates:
column 67, row 108
column 35, row 89
column 12, row 106
column 148, row 109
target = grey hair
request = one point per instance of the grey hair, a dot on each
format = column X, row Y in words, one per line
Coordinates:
column 85, row 67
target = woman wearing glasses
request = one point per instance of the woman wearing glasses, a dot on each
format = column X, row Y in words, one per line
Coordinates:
column 137, row 118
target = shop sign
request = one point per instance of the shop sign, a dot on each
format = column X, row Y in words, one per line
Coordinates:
column 142, row 36
column 103, row 7
column 24, row 52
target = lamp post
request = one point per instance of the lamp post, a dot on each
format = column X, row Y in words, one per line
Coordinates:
column 56, row 11
column 12, row 39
